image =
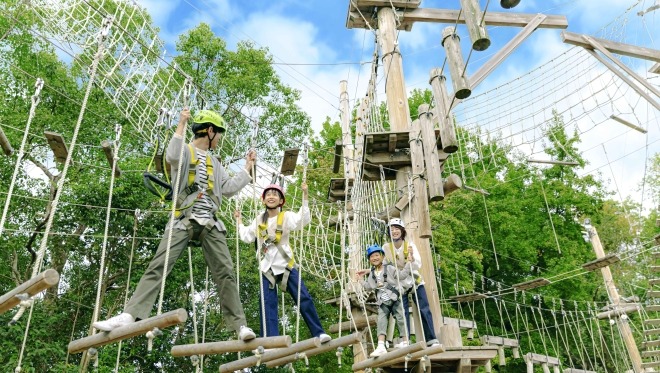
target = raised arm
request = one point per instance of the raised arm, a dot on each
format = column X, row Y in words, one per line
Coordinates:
column 245, row 233
column 296, row 221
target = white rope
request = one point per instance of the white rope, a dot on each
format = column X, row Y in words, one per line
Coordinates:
column 192, row 293
column 36, row 97
column 547, row 207
column 60, row 184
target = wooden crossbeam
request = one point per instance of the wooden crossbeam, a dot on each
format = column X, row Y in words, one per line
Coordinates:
column 499, row 341
column 270, row 355
column 110, row 156
column 651, row 353
column 601, row 262
column 57, row 144
column 531, row 284
column 131, row 330
column 360, row 323
column 5, row 144
column 622, row 309
column 33, row 286
column 655, row 69
column 413, row 356
column 541, row 359
column 390, row 356
column 214, row 348
column 652, row 308
column 461, row 323
column 613, row 46
column 289, row 161
column 344, row 341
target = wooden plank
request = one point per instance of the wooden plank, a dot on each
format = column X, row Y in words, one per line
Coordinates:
column 651, row 353
column 461, row 323
column 470, row 352
column 499, row 341
column 573, row 370
column 409, row 4
column 419, row 203
column 452, row 44
column 655, row 69
column 344, row 341
column 388, row 357
column 622, row 309
column 33, row 286
column 628, row 124
column 110, row 156
column 131, row 330
column 531, row 284
column 429, row 141
column 414, row 356
column 601, row 262
column 213, row 348
column 391, row 144
column 613, row 46
column 337, row 159
column 651, row 332
column 5, row 144
column 471, row 297
column 270, row 355
column 57, row 144
column 390, row 160
column 541, row 359
column 450, row 16
column 289, row 161
column 652, row 308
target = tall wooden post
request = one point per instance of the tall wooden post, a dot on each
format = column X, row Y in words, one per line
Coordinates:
column 622, row 323
column 399, row 115
column 347, row 138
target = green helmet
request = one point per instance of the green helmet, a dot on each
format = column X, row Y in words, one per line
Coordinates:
column 205, row 118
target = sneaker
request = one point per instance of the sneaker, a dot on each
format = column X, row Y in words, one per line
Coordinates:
column 261, row 351
column 245, row 333
column 112, row 323
column 324, row 337
column 401, row 344
column 433, row 343
column 380, row 350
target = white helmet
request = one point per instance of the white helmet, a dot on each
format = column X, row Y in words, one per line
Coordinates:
column 396, row 221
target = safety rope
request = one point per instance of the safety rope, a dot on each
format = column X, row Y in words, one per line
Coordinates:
column 35, row 99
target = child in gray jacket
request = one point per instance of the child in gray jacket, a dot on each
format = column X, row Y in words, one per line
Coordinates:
column 388, row 285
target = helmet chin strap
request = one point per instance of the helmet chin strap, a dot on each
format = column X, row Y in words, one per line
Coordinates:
column 211, row 138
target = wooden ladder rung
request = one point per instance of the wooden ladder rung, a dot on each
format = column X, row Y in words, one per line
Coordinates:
column 653, row 293
column 251, row 361
column 33, row 286
column 651, row 353
column 392, row 355
column 131, row 330
column 647, row 344
column 652, row 321
column 652, row 308
column 214, row 348
column 344, row 341
column 651, row 364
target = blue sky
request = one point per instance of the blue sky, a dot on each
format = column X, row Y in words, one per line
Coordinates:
column 310, row 36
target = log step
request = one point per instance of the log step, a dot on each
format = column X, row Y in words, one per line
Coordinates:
column 652, row 308
column 652, row 322
column 651, row 364
column 651, row 353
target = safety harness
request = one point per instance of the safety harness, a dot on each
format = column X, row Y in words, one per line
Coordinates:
column 266, row 242
column 418, row 276
column 387, row 284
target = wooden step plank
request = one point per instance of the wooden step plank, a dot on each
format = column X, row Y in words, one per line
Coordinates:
column 653, row 293
column 652, row 322
column 647, row 344
column 654, row 281
column 651, row 353
column 652, row 308
column 651, row 364
column 654, row 269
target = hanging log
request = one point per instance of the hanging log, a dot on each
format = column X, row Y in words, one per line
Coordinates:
column 110, row 156
column 358, row 323
column 131, row 330
column 476, row 28
column 452, row 44
column 433, row 168
column 214, row 348
column 57, row 144
column 419, row 203
column 441, row 99
column 33, row 286
column 289, row 161
column 270, row 355
column 508, row 4
column 333, row 344
column 452, row 183
column 388, row 357
column 414, row 356
column 5, row 144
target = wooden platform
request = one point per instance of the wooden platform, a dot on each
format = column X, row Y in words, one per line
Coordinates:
column 392, row 151
column 359, row 10
column 466, row 359
column 337, row 189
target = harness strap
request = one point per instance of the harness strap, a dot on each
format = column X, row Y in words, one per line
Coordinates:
column 418, row 276
column 263, row 233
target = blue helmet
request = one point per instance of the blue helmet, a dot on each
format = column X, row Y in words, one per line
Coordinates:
column 374, row 248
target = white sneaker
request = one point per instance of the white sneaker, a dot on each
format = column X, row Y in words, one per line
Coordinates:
column 433, row 343
column 245, row 333
column 257, row 351
column 380, row 350
column 401, row 344
column 324, row 337
column 112, row 323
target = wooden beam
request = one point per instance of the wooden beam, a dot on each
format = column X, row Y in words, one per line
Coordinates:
column 612, row 46
column 452, row 183
column 471, row 297
column 628, row 124
column 622, row 309
column 414, row 356
column 531, row 284
column 57, row 144
column 270, row 355
column 499, row 341
column 476, row 28
column 573, row 370
column 222, row 347
column 410, row 4
column 400, row 159
column 131, row 330
column 110, row 156
column 289, row 161
column 419, row 203
column 541, row 359
column 655, row 69
column 344, row 341
column 5, row 144
column 461, row 323
column 452, row 44
column 358, row 323
column 33, row 286
column 470, row 352
column 337, row 160
column 601, row 262
column 447, row 138
column 433, row 169
column 388, row 357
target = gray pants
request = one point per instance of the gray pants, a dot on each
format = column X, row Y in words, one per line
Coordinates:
column 220, row 265
column 387, row 308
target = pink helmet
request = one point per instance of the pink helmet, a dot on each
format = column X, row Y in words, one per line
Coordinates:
column 276, row 187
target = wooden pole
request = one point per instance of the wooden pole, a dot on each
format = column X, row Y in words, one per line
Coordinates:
column 452, row 44
column 441, row 99
column 5, row 144
column 231, row 346
column 388, row 357
column 419, row 203
column 433, row 169
column 131, row 330
column 357, row 323
column 333, row 344
column 624, row 327
column 476, row 28
column 35, row 285
column 452, row 183
column 110, row 156
column 270, row 355
column 347, row 138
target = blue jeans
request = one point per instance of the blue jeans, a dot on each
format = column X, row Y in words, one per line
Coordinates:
column 307, row 309
column 424, row 310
